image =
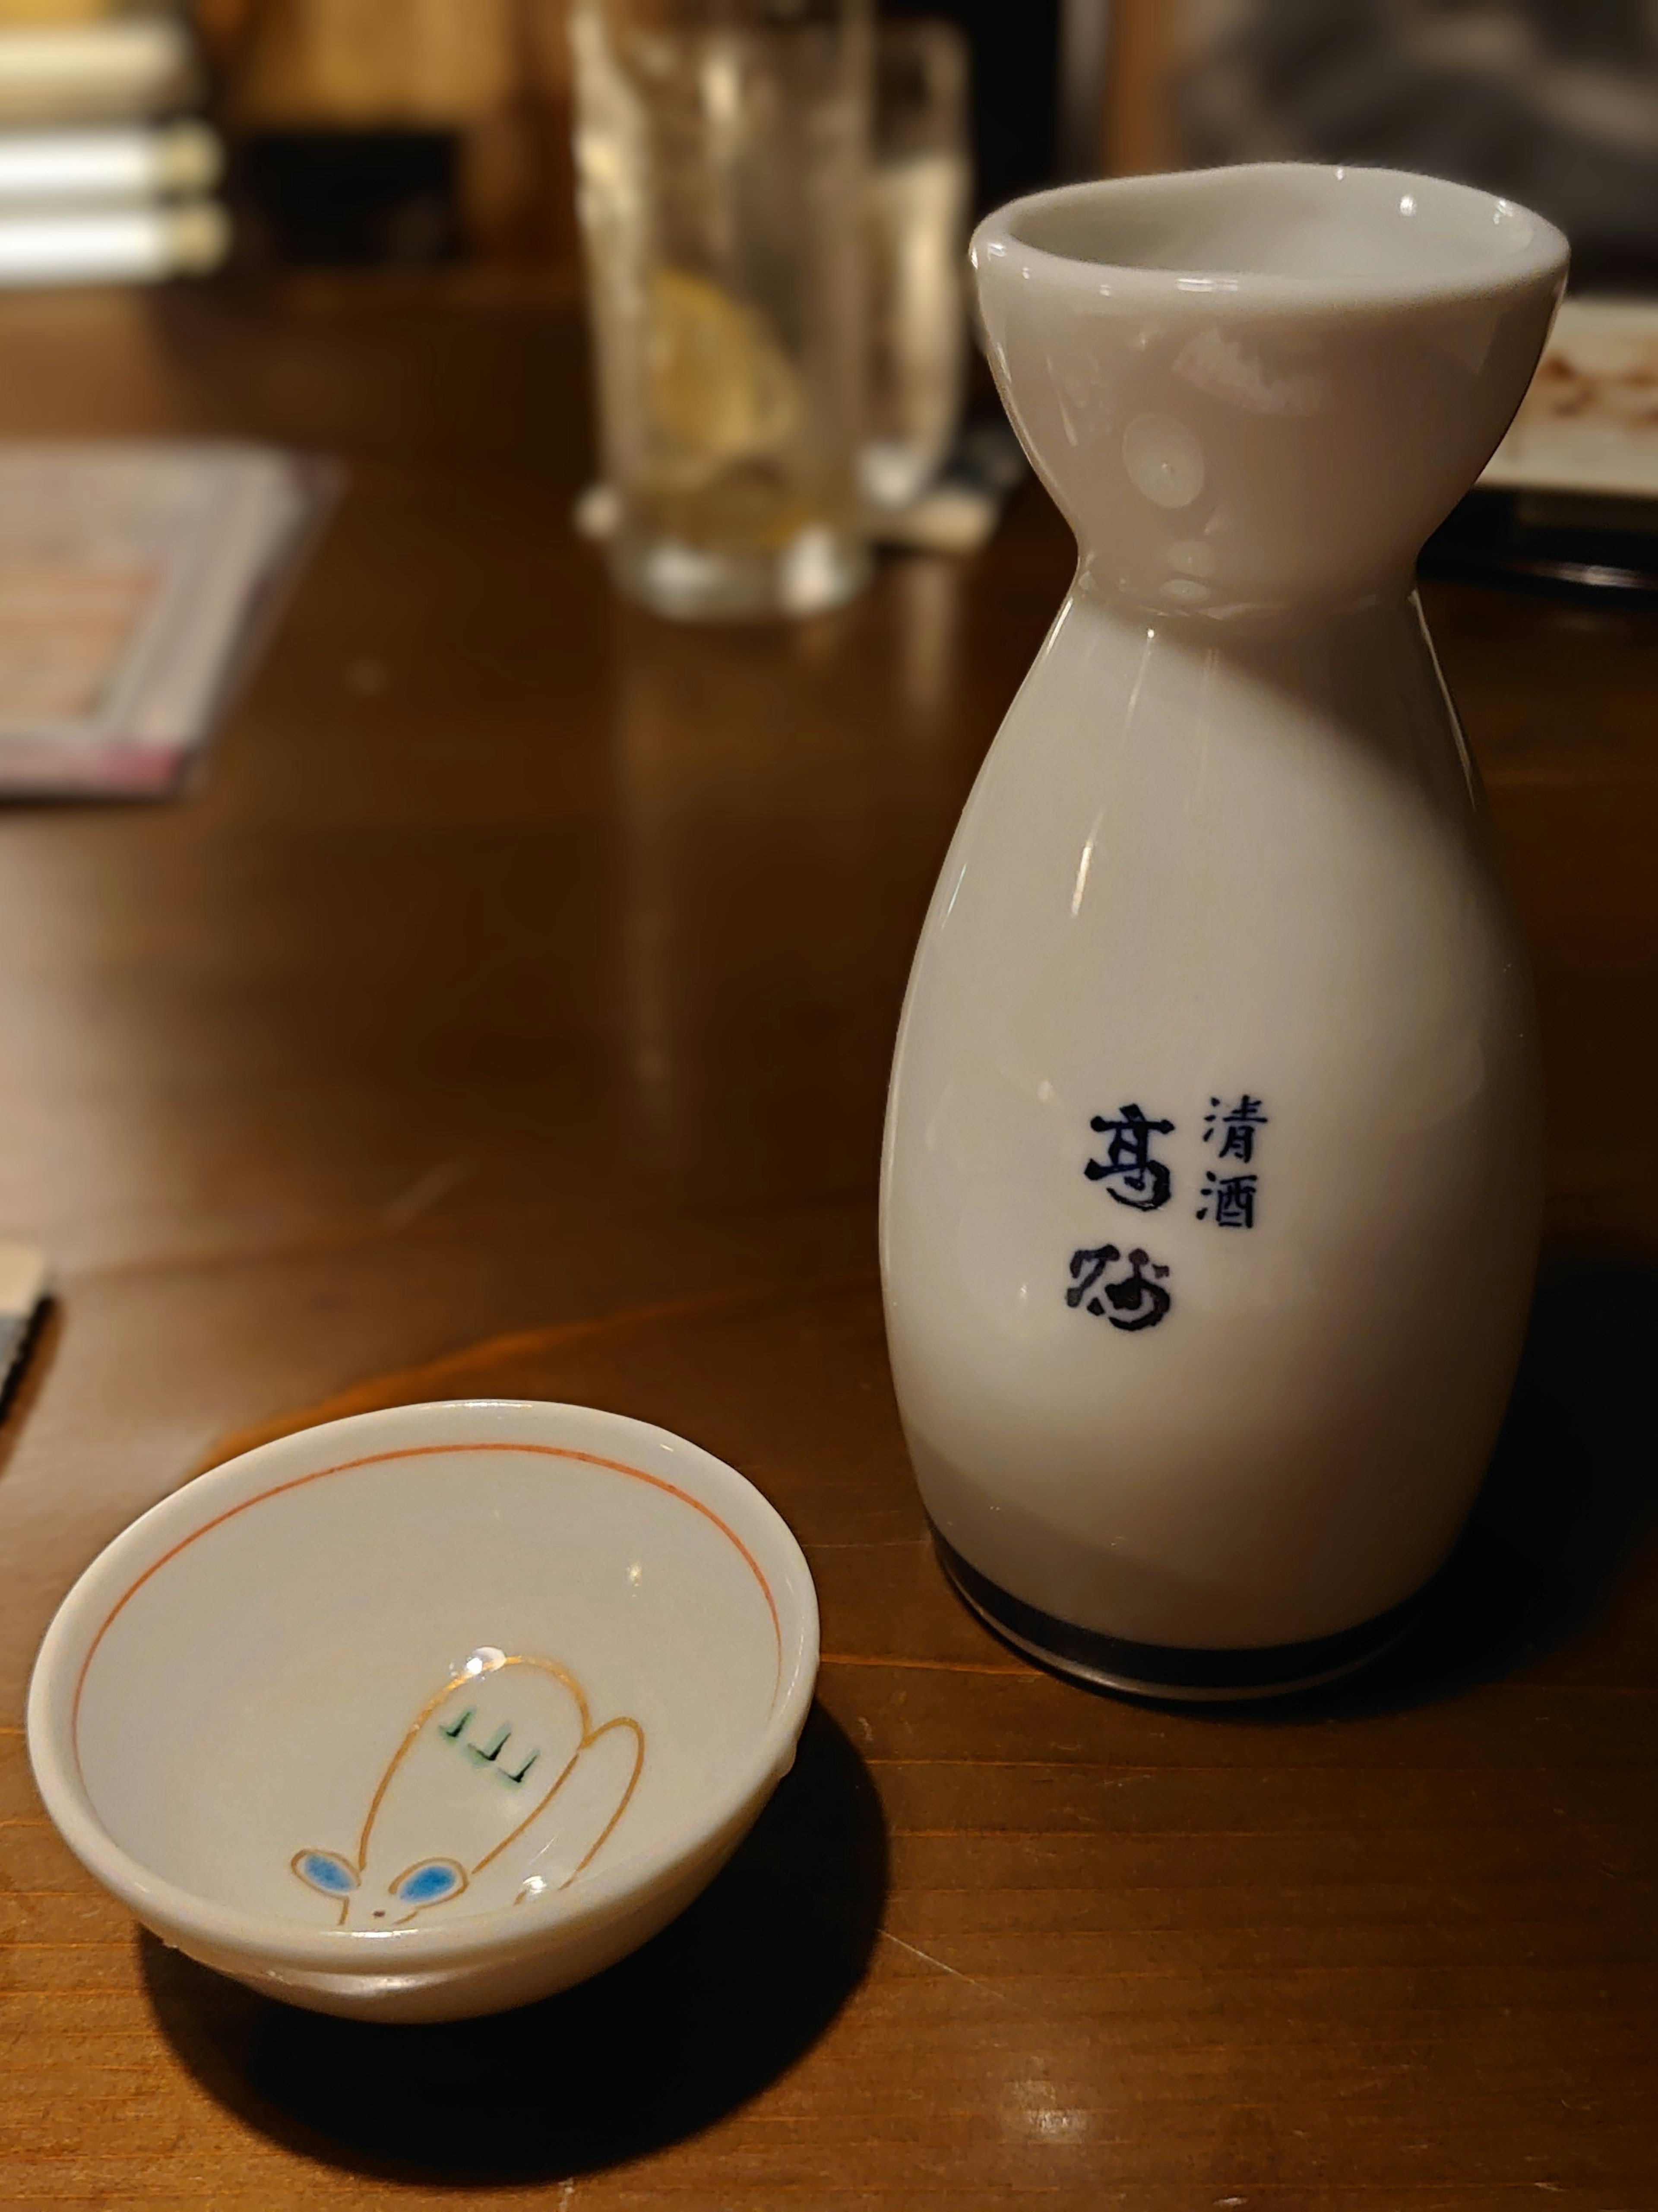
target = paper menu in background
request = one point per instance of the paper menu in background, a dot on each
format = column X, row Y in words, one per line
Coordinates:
column 133, row 582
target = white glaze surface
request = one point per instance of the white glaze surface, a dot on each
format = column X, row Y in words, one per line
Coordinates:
column 549, row 1660
column 1228, row 845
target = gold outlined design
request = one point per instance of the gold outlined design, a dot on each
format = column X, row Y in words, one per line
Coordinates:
column 590, row 1736
column 384, row 1458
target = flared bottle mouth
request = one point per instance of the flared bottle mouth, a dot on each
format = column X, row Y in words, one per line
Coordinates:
column 1297, row 231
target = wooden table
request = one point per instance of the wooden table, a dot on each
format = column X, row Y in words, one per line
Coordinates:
column 510, row 1012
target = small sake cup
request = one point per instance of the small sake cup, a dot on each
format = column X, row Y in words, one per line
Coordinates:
column 428, row 1712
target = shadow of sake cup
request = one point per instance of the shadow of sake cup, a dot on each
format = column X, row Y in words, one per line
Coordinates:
column 429, row 1713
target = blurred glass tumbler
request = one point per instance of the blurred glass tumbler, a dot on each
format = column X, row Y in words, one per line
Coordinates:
column 921, row 188
column 722, row 160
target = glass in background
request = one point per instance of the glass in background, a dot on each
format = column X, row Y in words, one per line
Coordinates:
column 721, row 163
column 920, row 189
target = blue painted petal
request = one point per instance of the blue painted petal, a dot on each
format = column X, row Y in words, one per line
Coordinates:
column 326, row 1870
column 424, row 1885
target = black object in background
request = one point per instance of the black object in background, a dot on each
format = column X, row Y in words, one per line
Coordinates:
column 350, row 198
column 1015, row 49
column 1547, row 542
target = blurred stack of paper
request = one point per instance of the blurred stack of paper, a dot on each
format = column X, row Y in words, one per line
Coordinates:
column 136, row 582
column 100, row 179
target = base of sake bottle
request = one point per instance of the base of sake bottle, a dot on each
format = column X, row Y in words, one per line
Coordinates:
column 1187, row 1673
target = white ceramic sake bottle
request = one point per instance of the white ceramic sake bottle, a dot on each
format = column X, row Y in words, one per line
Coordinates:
column 1213, row 1172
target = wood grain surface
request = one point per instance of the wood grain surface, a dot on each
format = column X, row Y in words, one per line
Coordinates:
column 510, row 1011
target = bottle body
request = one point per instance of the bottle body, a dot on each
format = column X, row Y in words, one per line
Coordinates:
column 1218, row 973
column 1213, row 1159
